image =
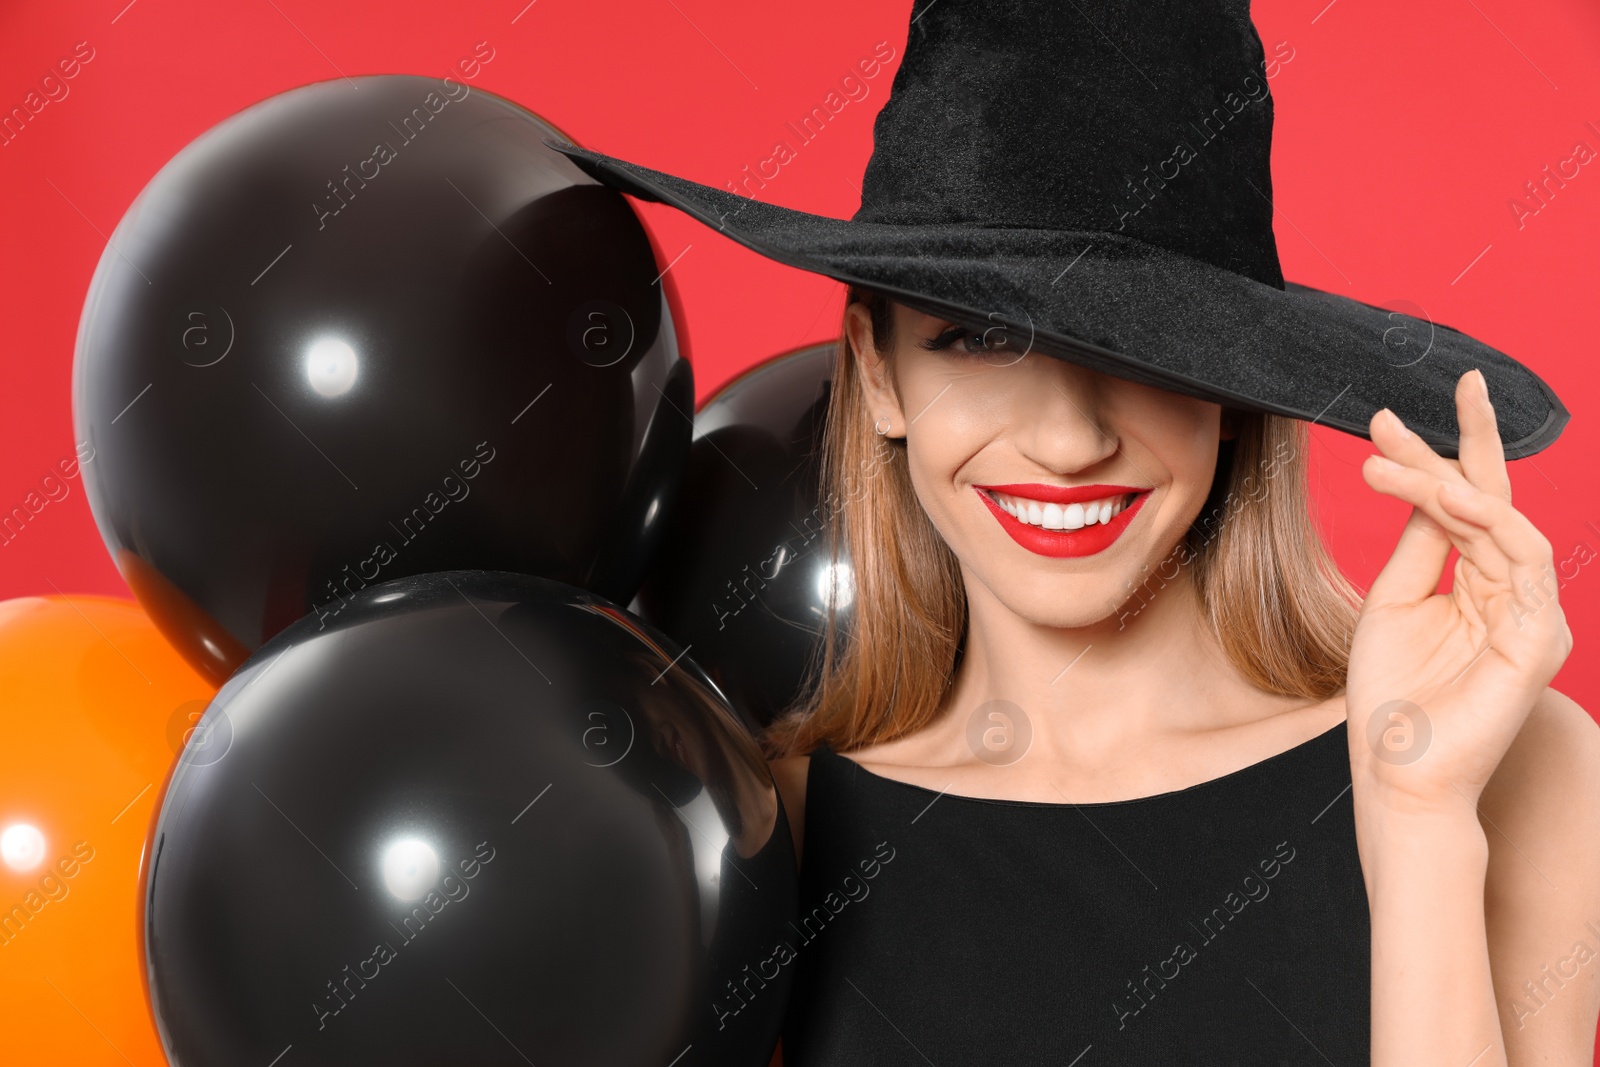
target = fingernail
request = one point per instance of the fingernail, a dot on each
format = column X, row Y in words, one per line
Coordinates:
column 1483, row 384
column 1384, row 463
column 1395, row 421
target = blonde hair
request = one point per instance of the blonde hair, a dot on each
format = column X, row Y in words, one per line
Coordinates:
column 1269, row 590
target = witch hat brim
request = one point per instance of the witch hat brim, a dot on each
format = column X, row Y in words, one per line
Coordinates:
column 1141, row 312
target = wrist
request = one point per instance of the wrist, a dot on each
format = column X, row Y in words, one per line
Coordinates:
column 1418, row 841
column 1385, row 797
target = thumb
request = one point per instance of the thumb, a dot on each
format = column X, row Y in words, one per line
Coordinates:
column 1415, row 566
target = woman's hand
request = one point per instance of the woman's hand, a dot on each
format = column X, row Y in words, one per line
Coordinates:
column 1440, row 684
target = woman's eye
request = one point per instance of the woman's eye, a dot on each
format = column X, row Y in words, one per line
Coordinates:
column 992, row 345
column 991, row 340
column 972, row 344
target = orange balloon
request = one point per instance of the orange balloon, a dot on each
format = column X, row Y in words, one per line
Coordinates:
column 94, row 706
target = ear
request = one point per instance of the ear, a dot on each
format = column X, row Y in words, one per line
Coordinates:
column 874, row 371
column 1230, row 424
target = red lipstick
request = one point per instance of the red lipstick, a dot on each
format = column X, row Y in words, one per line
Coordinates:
column 1085, row 541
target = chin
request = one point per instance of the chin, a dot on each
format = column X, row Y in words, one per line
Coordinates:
column 1072, row 602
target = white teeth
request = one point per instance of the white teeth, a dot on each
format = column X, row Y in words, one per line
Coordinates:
column 1058, row 516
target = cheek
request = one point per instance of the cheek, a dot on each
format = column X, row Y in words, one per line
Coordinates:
column 949, row 413
column 1195, row 462
column 1191, row 454
column 1182, row 432
column 933, row 458
column 1175, row 439
column 952, row 425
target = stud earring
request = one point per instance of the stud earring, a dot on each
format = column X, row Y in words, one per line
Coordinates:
column 882, row 425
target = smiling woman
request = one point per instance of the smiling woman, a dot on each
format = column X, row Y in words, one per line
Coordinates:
column 1258, row 544
column 1073, row 782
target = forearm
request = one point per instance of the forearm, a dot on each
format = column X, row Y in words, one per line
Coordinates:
column 1432, row 994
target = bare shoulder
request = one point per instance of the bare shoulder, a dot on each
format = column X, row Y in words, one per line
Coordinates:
column 1541, row 814
column 790, row 774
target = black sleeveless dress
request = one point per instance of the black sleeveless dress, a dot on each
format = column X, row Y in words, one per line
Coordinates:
column 1222, row 924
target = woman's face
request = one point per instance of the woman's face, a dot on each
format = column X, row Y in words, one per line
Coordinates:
column 982, row 412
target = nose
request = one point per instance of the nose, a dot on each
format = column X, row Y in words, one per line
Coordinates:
column 1059, row 414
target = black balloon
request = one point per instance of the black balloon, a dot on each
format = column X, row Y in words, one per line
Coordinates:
column 365, row 329
column 480, row 818
column 744, row 576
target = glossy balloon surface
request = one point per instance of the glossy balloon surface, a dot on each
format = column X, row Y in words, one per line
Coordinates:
column 479, row 818
column 94, row 707
column 365, row 329
column 744, row 574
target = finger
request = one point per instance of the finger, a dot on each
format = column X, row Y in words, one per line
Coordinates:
column 1398, row 443
column 1423, row 491
column 1526, row 552
column 1520, row 609
column 1472, row 588
column 1515, row 534
column 1469, row 577
column 1483, row 456
column 1415, row 566
column 1510, row 581
column 1527, row 628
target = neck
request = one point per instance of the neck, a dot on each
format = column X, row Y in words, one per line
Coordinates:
column 1150, row 669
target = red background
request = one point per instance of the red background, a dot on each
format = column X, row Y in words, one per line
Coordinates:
column 1403, row 133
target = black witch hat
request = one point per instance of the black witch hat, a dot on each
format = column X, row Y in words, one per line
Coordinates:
column 1095, row 179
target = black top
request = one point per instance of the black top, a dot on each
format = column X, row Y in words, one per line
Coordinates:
column 1222, row 924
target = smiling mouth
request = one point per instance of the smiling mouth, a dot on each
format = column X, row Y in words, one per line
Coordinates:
column 1052, row 516
column 1064, row 526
